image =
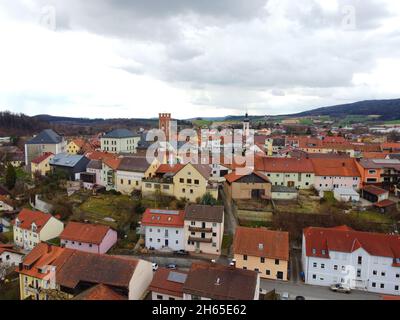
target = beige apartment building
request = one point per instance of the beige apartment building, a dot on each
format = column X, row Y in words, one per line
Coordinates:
column 204, row 228
column 262, row 250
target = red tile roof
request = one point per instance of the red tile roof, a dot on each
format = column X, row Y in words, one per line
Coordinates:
column 96, row 268
column 27, row 217
column 112, row 163
column 84, row 232
column 294, row 165
column 43, row 255
column 335, row 167
column 384, row 203
column 73, row 266
column 166, row 218
column 233, row 176
column 375, row 155
column 9, row 248
column 261, row 242
column 100, row 292
column 167, row 168
column 43, row 157
column 99, row 155
column 161, row 284
column 338, row 239
column 375, row 190
column 390, row 145
column 79, row 142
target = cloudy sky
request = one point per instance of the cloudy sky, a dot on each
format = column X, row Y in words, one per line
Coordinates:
column 136, row 58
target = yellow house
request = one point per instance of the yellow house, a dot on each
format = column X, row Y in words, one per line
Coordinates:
column 262, row 250
column 37, row 275
column 51, row 272
column 130, row 173
column 32, row 227
column 192, row 181
column 75, row 146
column 41, row 164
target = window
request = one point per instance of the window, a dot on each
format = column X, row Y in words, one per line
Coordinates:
column 314, row 276
column 322, row 266
column 214, row 234
column 245, row 257
column 191, row 191
column 196, row 181
column 335, row 267
column 183, row 190
column 262, row 260
column 383, row 274
column 151, row 239
column 181, row 180
column 244, row 268
column 257, row 270
column 373, row 284
column 314, row 264
column 314, row 251
column 359, row 261
column 189, row 181
column 159, row 297
column 177, row 231
column 277, row 262
column 358, row 273
column 268, row 272
column 397, row 275
column 396, row 288
column 382, row 286
column 374, row 272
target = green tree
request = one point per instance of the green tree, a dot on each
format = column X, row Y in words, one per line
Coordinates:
column 208, row 200
column 11, row 177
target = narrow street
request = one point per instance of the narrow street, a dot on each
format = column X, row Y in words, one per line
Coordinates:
column 230, row 221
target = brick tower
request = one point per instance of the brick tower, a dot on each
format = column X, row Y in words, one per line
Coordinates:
column 165, row 124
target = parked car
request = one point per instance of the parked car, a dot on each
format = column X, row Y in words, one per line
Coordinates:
column 181, row 253
column 340, row 288
column 171, row 266
column 155, row 266
column 285, row 296
column 300, row 298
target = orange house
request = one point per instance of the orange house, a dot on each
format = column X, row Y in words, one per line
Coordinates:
column 371, row 173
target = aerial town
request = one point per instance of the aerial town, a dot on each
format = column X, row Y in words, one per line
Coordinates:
column 91, row 217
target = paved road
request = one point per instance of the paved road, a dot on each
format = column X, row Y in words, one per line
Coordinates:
column 230, row 221
column 180, row 262
column 314, row 292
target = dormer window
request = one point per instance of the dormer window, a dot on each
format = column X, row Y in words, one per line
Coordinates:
column 323, row 252
column 17, row 222
column 314, row 251
column 34, row 227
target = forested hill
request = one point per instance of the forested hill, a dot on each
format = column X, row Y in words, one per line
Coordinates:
column 387, row 110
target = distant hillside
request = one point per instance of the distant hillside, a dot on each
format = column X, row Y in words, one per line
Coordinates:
column 16, row 124
column 387, row 109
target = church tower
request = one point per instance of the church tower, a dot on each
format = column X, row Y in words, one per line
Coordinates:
column 246, row 125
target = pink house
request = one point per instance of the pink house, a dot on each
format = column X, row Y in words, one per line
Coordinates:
column 86, row 237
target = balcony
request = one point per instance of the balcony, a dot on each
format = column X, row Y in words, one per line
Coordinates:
column 203, row 240
column 197, row 229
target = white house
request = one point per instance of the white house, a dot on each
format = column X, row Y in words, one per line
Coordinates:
column 164, row 229
column 32, row 227
column 361, row 260
column 9, row 257
column 120, row 141
column 332, row 173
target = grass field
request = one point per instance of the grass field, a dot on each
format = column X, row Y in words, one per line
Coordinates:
column 97, row 208
column 372, row 216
